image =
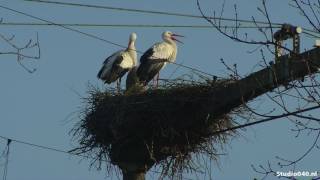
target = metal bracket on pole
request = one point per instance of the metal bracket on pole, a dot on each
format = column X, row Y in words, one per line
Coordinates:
column 287, row 31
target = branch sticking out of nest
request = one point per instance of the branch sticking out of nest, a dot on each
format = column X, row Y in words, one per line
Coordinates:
column 156, row 127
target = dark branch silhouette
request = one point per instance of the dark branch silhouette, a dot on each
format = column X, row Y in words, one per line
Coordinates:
column 21, row 52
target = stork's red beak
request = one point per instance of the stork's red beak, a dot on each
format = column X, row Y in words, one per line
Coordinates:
column 173, row 37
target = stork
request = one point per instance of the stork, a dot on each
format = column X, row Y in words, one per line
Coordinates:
column 120, row 62
column 156, row 57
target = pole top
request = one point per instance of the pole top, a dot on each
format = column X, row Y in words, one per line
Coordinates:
column 287, row 31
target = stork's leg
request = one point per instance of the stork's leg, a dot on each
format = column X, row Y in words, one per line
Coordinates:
column 157, row 82
column 119, row 88
column 153, row 82
column 118, row 85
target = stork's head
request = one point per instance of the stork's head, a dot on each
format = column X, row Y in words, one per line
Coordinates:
column 133, row 37
column 169, row 36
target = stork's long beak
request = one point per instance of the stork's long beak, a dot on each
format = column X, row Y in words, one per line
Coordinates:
column 173, row 36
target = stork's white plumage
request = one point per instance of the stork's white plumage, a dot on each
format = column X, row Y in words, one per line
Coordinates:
column 155, row 58
column 120, row 62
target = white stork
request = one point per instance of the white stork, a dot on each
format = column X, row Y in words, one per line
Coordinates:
column 120, row 62
column 155, row 58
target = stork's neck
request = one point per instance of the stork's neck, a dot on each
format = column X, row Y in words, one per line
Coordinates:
column 173, row 44
column 132, row 51
column 131, row 46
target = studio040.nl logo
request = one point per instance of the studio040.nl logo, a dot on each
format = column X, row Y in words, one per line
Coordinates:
column 299, row 175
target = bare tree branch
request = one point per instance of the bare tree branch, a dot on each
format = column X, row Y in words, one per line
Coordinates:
column 20, row 52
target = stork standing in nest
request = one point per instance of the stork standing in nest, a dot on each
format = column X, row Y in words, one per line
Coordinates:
column 156, row 57
column 120, row 62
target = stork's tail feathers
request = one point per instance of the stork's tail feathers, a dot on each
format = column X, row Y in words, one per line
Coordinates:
column 100, row 76
column 148, row 70
column 99, row 73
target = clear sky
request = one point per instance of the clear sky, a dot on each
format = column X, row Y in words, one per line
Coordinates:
column 42, row 107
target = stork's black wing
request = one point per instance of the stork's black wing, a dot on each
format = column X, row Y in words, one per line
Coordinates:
column 149, row 66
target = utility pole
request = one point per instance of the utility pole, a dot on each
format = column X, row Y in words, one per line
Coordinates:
column 133, row 144
column 133, row 159
column 286, row 69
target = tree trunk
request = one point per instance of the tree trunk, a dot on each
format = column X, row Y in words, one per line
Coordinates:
column 130, row 175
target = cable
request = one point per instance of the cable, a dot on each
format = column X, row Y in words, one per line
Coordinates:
column 276, row 25
column 6, row 156
column 310, row 34
column 65, row 27
column 9, row 140
column 93, row 36
column 43, row 147
column 306, row 31
column 128, row 25
column 266, row 120
column 149, row 11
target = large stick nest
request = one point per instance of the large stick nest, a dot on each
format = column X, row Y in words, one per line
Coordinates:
column 159, row 126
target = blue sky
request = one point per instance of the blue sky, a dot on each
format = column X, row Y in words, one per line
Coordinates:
column 42, row 107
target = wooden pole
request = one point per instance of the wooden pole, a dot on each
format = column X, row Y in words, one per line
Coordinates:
column 127, row 175
column 285, row 70
column 133, row 171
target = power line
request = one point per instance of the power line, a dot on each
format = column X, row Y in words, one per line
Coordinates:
column 9, row 140
column 311, row 33
column 65, row 27
column 42, row 147
column 273, row 25
column 150, row 12
column 306, row 31
column 129, row 25
column 6, row 153
column 266, row 119
column 94, row 37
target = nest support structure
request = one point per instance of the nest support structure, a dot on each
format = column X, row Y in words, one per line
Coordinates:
column 137, row 131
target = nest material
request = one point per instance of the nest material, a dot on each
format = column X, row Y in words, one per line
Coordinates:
column 153, row 126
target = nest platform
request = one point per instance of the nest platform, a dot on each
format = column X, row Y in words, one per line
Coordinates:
column 156, row 127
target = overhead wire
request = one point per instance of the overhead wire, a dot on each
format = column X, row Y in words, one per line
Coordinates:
column 95, row 37
column 6, row 154
column 305, row 31
column 10, row 140
column 42, row 147
column 312, row 34
column 254, row 22
column 149, row 11
column 267, row 119
column 129, row 25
